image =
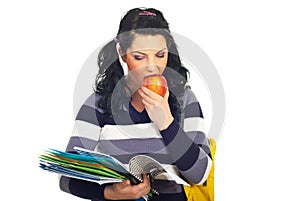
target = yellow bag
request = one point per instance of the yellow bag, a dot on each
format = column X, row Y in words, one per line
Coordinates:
column 203, row 192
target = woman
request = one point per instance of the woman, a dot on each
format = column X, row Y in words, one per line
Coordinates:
column 123, row 119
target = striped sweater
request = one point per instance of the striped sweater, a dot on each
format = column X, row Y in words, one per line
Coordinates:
column 184, row 150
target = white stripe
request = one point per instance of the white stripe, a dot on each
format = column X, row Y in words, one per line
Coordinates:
column 207, row 171
column 173, row 174
column 120, row 132
column 86, row 129
column 194, row 124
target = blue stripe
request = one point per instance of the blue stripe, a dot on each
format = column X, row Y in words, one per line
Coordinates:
column 188, row 158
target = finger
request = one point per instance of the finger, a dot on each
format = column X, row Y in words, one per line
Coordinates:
column 139, row 190
column 146, row 182
column 127, row 182
column 167, row 94
column 149, row 100
column 141, row 92
column 147, row 104
column 146, row 100
column 150, row 93
column 124, row 184
column 151, row 97
column 142, row 189
column 146, row 179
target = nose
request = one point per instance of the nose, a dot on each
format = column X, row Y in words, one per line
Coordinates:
column 152, row 68
column 151, row 65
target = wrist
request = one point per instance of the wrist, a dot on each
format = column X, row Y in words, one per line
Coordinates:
column 168, row 122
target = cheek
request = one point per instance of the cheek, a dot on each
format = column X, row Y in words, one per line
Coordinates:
column 137, row 74
column 135, row 65
column 166, row 61
column 163, row 64
column 131, row 64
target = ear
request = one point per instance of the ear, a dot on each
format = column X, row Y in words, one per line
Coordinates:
column 122, row 55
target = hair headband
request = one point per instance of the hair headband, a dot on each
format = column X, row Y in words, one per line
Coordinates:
column 147, row 13
column 143, row 13
column 116, row 40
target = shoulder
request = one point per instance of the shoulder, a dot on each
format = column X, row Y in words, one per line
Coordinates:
column 189, row 97
column 90, row 110
column 92, row 102
column 191, row 104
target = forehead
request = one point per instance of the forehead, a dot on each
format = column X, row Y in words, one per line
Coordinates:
column 148, row 42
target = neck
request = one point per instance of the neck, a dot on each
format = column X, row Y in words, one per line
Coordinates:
column 136, row 102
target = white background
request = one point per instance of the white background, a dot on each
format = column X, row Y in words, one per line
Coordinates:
column 254, row 45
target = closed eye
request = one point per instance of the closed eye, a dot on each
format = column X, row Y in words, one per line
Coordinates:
column 160, row 55
column 137, row 57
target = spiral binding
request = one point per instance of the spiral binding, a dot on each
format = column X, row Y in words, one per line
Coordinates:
column 136, row 176
column 143, row 164
column 136, row 169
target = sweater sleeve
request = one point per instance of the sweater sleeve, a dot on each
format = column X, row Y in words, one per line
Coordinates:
column 85, row 134
column 188, row 144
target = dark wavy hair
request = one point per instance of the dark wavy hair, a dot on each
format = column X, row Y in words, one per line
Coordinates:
column 111, row 71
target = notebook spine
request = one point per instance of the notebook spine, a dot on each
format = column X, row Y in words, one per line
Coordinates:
column 138, row 177
column 137, row 169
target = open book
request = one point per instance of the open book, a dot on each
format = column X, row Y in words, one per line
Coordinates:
column 102, row 168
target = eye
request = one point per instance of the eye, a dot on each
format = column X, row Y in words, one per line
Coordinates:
column 160, row 55
column 138, row 57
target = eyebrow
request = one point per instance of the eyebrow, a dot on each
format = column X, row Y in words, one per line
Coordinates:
column 145, row 53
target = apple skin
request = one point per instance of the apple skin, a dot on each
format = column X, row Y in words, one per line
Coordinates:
column 156, row 83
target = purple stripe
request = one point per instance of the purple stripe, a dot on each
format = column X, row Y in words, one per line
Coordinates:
column 193, row 110
column 128, row 146
column 197, row 171
column 199, row 138
column 161, row 158
column 92, row 101
column 182, row 148
column 90, row 115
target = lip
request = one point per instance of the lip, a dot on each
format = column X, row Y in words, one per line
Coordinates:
column 153, row 75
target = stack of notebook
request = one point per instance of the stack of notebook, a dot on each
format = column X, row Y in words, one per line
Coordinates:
column 87, row 165
column 102, row 168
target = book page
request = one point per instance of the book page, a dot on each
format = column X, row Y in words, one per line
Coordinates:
column 145, row 164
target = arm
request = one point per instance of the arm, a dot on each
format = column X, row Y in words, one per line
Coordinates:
column 81, row 188
column 86, row 134
column 187, row 145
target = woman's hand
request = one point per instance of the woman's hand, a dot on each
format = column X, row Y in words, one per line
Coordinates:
column 157, row 107
column 126, row 191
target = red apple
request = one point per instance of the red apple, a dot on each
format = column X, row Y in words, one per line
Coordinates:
column 156, row 83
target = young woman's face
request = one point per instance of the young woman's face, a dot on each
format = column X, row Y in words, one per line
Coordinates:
column 147, row 55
